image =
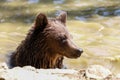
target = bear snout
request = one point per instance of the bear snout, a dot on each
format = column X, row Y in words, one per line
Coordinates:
column 78, row 52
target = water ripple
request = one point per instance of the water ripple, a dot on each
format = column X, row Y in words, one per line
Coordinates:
column 58, row 1
column 33, row 1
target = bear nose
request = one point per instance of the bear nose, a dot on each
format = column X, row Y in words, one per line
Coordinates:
column 81, row 50
column 78, row 52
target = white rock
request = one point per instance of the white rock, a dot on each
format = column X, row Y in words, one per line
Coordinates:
column 30, row 73
column 97, row 72
column 3, row 66
column 118, row 76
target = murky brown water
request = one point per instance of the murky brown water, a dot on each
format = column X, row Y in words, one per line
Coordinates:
column 94, row 25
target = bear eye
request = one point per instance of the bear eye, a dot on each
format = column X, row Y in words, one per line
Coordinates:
column 63, row 39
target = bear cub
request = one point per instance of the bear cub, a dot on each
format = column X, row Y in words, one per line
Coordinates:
column 46, row 44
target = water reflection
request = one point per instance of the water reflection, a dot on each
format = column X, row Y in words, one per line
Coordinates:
column 107, row 12
column 2, row 20
column 58, row 1
column 58, row 12
column 9, row 0
column 90, row 13
column 33, row 1
column 81, row 18
column 117, row 12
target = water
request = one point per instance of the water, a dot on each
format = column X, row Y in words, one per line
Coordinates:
column 33, row 1
column 58, row 1
column 94, row 25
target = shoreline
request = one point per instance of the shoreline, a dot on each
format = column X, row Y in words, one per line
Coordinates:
column 93, row 72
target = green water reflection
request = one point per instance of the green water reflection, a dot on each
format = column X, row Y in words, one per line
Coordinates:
column 94, row 25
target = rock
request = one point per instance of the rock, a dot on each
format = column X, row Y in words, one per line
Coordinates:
column 97, row 72
column 118, row 76
column 3, row 66
column 94, row 72
column 30, row 73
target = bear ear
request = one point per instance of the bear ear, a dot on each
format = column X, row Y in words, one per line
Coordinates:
column 41, row 20
column 62, row 17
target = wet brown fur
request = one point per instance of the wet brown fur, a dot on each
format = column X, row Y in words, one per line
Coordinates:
column 35, row 50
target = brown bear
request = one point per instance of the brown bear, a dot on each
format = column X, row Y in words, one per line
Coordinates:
column 46, row 44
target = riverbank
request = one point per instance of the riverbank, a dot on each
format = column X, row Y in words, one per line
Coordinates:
column 93, row 72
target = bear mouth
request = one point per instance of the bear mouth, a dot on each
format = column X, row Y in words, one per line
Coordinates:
column 73, row 55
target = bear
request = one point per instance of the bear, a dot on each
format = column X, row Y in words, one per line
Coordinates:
column 46, row 44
